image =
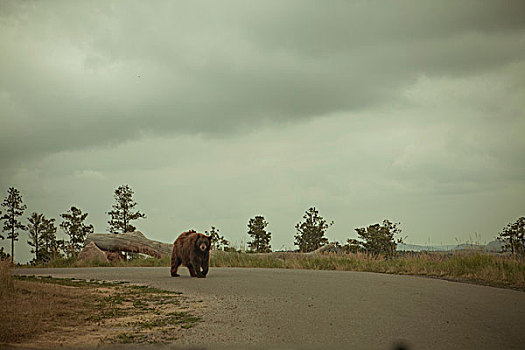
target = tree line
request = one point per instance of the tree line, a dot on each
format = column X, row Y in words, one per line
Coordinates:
column 42, row 230
column 376, row 239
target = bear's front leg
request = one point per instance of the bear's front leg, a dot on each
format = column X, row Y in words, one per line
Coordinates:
column 204, row 269
column 191, row 268
column 199, row 273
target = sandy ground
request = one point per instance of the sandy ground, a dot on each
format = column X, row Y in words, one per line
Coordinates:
column 275, row 308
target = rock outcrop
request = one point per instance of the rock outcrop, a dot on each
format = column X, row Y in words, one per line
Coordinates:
column 92, row 253
column 130, row 242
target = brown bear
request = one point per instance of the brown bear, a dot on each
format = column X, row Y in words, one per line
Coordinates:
column 192, row 250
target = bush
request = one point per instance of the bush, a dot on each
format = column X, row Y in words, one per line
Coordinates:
column 377, row 239
column 513, row 235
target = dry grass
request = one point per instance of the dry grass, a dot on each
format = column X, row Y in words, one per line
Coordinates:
column 28, row 310
column 489, row 269
column 468, row 266
column 31, row 310
column 47, row 312
column 71, row 262
column 6, row 282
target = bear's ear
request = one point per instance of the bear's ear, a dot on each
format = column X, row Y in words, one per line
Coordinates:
column 209, row 237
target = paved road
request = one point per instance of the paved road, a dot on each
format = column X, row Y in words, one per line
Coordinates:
column 351, row 309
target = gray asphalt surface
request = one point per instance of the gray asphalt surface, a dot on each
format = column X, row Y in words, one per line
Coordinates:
column 290, row 308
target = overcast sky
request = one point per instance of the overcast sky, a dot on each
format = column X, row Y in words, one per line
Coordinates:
column 214, row 112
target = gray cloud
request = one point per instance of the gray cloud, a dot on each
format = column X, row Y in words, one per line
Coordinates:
column 85, row 75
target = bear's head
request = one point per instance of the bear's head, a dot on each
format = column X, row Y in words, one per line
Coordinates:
column 203, row 243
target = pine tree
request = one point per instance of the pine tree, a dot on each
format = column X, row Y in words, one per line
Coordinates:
column 34, row 230
column 73, row 225
column 41, row 236
column 310, row 233
column 15, row 208
column 513, row 235
column 260, row 238
column 50, row 247
column 123, row 211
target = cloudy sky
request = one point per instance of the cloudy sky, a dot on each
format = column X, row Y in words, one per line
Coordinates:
column 214, row 112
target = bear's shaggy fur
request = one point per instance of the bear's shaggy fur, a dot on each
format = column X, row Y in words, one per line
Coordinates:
column 192, row 250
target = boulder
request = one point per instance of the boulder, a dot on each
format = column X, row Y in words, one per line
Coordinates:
column 329, row 248
column 91, row 253
column 114, row 256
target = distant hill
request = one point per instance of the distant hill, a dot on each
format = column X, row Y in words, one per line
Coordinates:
column 493, row 247
column 419, row 248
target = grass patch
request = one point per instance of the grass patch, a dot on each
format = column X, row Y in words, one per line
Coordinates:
column 48, row 312
column 126, row 338
column 471, row 266
column 29, row 309
column 148, row 289
column 70, row 282
column 6, row 280
column 185, row 319
column 73, row 262
column 489, row 269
